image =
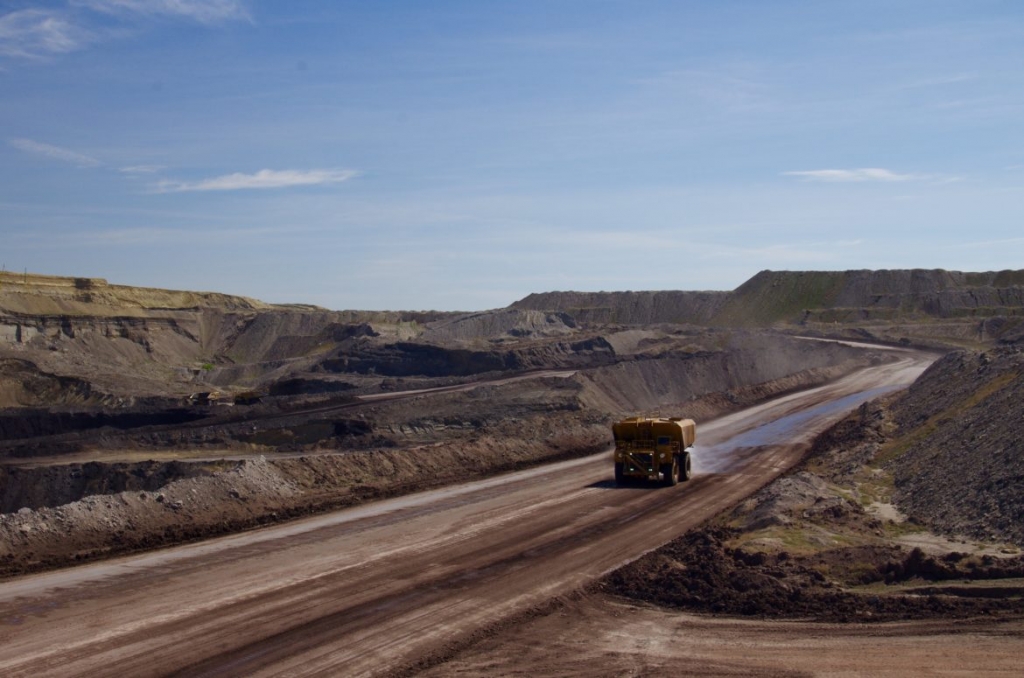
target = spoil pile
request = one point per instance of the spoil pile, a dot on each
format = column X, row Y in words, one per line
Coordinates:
column 957, row 455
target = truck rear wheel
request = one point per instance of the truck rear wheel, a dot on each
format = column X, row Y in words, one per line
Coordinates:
column 685, row 470
column 620, row 475
column 670, row 473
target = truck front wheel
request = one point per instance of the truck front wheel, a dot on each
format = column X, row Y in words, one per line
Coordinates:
column 685, row 471
column 670, row 473
column 620, row 475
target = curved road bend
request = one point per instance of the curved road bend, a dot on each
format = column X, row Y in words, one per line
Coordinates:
column 365, row 590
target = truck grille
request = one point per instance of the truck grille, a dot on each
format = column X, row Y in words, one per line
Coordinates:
column 639, row 461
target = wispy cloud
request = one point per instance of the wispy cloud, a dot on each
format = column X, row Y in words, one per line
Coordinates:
column 262, row 180
column 203, row 11
column 852, row 175
column 141, row 169
column 37, row 33
column 937, row 81
column 870, row 174
column 152, row 236
column 54, row 152
column 40, row 33
column 734, row 88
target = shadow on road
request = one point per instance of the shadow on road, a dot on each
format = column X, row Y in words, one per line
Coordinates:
column 612, row 485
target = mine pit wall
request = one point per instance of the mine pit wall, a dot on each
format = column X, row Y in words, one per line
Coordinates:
column 630, row 308
column 752, row 359
column 409, row 359
column 175, row 350
column 938, row 335
column 31, row 422
column 23, row 384
column 52, row 329
column 920, row 302
column 129, row 507
column 58, row 485
column 158, row 351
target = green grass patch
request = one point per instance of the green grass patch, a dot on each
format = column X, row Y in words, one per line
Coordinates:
column 798, row 539
column 849, row 573
column 873, row 487
column 896, row 530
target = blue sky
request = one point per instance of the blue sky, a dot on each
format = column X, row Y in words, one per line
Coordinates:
column 459, row 155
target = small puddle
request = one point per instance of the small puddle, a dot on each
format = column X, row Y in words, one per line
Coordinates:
column 723, row 456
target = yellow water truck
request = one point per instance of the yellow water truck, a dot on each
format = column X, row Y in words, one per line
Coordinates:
column 653, row 448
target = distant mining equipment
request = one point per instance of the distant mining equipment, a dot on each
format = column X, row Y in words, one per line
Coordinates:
column 204, row 398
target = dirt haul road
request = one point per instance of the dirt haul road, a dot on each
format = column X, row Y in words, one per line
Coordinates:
column 376, row 589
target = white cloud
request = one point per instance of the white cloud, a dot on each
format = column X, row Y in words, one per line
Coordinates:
column 262, row 179
column 204, row 11
column 850, row 175
column 35, row 33
column 54, row 152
